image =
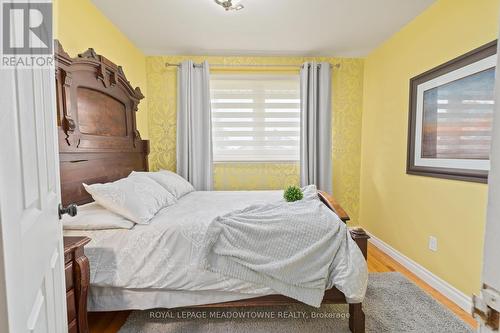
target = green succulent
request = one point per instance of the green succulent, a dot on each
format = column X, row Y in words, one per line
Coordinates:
column 293, row 193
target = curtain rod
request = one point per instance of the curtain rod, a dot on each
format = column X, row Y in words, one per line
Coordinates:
column 168, row 64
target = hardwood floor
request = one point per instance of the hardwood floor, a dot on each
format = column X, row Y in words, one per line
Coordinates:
column 107, row 322
column 110, row 322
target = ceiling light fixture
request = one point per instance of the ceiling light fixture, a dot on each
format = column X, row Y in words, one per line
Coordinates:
column 228, row 5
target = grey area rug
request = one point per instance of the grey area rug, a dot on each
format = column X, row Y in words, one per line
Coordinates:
column 392, row 304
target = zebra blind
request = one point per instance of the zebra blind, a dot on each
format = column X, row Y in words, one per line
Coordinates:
column 255, row 117
column 457, row 119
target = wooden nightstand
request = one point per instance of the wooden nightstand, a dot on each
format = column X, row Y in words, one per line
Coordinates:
column 77, row 274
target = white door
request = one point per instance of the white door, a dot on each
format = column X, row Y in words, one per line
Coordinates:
column 32, row 291
column 489, row 302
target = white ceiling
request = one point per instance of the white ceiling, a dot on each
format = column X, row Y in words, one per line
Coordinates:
column 263, row 27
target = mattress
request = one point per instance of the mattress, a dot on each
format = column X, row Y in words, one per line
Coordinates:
column 155, row 265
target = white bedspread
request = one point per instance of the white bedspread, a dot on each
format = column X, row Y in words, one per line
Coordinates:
column 164, row 255
column 291, row 247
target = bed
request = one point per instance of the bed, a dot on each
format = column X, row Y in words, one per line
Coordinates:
column 99, row 143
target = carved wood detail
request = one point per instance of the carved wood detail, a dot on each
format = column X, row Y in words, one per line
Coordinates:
column 77, row 274
column 81, row 288
column 92, row 88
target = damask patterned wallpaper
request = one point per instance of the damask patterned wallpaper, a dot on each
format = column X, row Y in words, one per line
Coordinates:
column 255, row 175
column 347, row 105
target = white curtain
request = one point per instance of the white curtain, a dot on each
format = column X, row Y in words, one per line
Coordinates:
column 194, row 125
column 316, row 126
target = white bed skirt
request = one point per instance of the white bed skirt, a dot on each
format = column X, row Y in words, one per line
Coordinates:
column 118, row 299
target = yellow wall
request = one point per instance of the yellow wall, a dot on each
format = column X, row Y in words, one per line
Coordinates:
column 347, row 104
column 404, row 210
column 256, row 176
column 78, row 25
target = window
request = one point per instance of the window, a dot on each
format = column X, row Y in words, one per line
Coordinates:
column 255, row 117
column 451, row 117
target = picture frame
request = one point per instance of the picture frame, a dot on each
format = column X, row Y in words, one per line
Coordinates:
column 450, row 116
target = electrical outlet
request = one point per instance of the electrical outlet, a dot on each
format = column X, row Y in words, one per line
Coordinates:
column 433, row 243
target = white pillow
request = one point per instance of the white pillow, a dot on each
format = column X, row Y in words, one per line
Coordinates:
column 170, row 181
column 93, row 216
column 135, row 198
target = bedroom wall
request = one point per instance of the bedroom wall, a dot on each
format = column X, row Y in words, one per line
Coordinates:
column 404, row 210
column 78, row 25
column 347, row 105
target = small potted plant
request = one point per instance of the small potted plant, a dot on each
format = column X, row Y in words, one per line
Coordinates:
column 293, row 193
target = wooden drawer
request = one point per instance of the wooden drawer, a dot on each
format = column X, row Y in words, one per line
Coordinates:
column 68, row 272
column 70, row 304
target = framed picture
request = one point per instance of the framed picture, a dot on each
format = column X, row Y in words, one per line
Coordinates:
column 451, row 114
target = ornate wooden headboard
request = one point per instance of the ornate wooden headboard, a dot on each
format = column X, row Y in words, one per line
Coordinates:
column 98, row 137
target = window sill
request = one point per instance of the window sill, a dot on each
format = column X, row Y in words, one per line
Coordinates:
column 256, row 162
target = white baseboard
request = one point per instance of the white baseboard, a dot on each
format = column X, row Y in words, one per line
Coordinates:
column 452, row 293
